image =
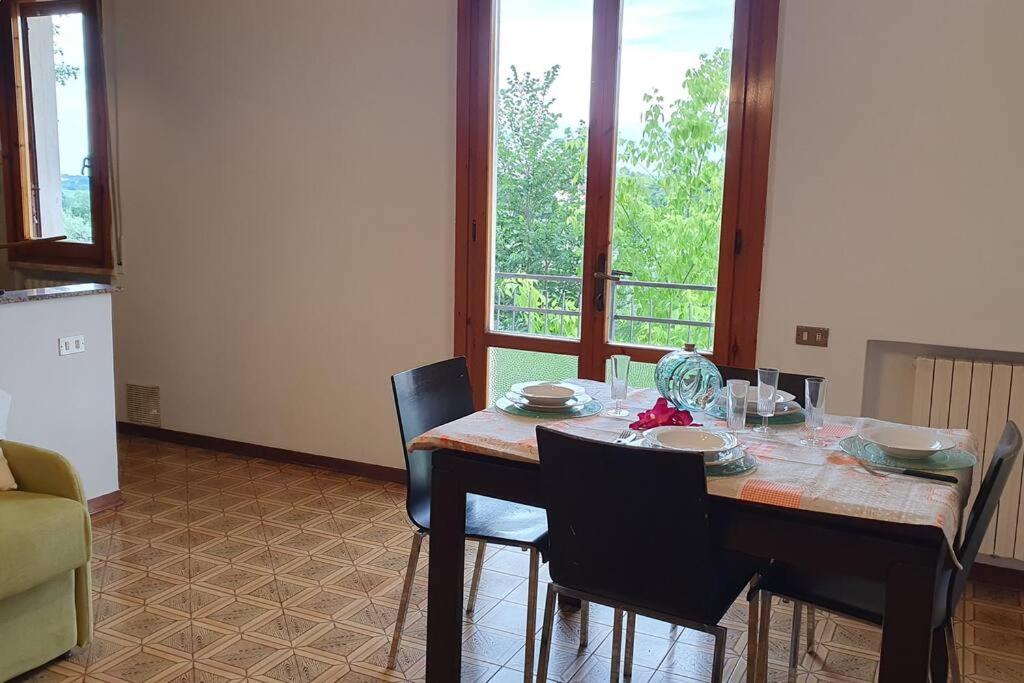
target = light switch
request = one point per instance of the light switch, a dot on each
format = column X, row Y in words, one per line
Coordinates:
column 70, row 345
column 811, row 336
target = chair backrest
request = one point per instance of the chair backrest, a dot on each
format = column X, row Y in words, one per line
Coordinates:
column 425, row 398
column 628, row 523
column 985, row 507
column 788, row 381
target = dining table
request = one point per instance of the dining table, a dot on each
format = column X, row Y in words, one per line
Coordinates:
column 814, row 507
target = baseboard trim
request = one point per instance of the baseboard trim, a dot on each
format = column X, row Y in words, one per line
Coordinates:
column 105, row 502
column 215, row 443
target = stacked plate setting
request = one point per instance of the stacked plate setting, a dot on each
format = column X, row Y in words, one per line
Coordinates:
column 548, row 397
column 718, row 446
column 785, row 402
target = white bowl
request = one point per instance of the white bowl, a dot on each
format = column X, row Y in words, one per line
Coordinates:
column 908, row 443
column 573, row 403
column 780, row 397
column 547, row 393
column 691, row 439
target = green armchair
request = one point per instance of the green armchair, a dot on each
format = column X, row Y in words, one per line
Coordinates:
column 45, row 546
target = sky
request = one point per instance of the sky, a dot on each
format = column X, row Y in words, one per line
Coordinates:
column 71, row 110
column 661, row 39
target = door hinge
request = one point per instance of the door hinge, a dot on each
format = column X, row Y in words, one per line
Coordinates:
column 473, row 231
column 737, row 245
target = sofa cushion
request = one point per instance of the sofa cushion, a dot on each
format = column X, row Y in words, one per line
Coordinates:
column 41, row 536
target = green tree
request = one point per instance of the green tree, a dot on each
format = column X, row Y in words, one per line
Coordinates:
column 668, row 204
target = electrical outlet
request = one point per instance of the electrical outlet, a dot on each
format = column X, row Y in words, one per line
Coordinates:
column 69, row 345
column 811, row 336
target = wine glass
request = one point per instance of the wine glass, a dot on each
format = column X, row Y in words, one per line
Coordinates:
column 767, row 387
column 815, row 389
column 620, row 384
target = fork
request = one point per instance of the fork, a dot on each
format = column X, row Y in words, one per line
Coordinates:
column 625, row 437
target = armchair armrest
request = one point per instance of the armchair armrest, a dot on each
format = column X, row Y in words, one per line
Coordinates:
column 41, row 471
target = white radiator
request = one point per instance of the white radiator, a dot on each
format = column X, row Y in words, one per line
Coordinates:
column 980, row 396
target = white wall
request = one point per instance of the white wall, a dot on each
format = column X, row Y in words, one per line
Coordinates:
column 894, row 205
column 63, row 403
column 288, row 200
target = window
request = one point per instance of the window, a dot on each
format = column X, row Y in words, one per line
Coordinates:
column 54, row 134
column 612, row 176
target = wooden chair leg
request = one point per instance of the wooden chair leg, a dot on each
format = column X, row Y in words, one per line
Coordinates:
column 616, row 644
column 531, row 615
column 627, row 663
column 403, row 603
column 794, row 637
column 752, row 601
column 474, row 586
column 545, row 635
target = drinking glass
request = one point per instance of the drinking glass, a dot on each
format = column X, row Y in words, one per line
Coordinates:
column 620, row 383
column 767, row 386
column 736, row 404
column 815, row 389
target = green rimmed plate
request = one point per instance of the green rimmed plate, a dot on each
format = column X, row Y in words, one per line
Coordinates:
column 951, row 459
column 793, row 418
column 586, row 410
column 745, row 465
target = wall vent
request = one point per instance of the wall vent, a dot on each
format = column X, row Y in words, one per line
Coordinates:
column 143, row 405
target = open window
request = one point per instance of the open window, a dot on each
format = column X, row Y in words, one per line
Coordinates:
column 612, row 173
column 54, row 134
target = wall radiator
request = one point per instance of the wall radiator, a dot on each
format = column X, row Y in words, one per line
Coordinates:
column 980, row 396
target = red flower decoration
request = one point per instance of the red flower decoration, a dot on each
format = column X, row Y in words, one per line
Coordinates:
column 663, row 414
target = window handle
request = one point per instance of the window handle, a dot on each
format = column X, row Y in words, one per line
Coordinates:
column 614, row 277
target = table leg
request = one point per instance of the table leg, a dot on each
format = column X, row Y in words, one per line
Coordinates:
column 447, row 566
column 907, row 631
column 940, row 657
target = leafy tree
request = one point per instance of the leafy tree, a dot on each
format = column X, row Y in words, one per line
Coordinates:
column 668, row 205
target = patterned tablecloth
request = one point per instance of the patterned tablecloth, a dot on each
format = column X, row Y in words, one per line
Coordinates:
column 788, row 475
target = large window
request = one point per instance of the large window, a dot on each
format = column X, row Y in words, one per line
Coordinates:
column 54, row 134
column 612, row 169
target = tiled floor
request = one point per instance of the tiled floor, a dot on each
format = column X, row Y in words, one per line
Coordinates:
column 221, row 568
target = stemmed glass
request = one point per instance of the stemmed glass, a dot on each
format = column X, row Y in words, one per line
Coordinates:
column 815, row 389
column 767, row 387
column 620, row 384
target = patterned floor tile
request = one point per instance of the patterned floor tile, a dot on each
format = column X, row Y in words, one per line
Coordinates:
column 220, row 568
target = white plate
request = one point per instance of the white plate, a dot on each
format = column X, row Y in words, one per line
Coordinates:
column 547, row 393
column 567, row 406
column 780, row 396
column 909, row 443
column 691, row 439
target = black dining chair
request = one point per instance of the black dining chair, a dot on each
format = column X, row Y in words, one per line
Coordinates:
column 428, row 397
column 864, row 600
column 629, row 528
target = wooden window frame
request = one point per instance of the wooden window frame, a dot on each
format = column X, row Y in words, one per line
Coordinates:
column 748, row 149
column 16, row 126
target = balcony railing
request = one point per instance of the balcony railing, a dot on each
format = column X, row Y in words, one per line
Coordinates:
column 664, row 314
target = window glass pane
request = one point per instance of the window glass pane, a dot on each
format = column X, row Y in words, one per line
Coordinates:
column 58, row 131
column 542, row 109
column 673, row 110
column 506, row 367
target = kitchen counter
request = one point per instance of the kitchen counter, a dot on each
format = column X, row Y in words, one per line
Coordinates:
column 17, row 296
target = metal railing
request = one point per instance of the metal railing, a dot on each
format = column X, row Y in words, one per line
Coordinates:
column 642, row 313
